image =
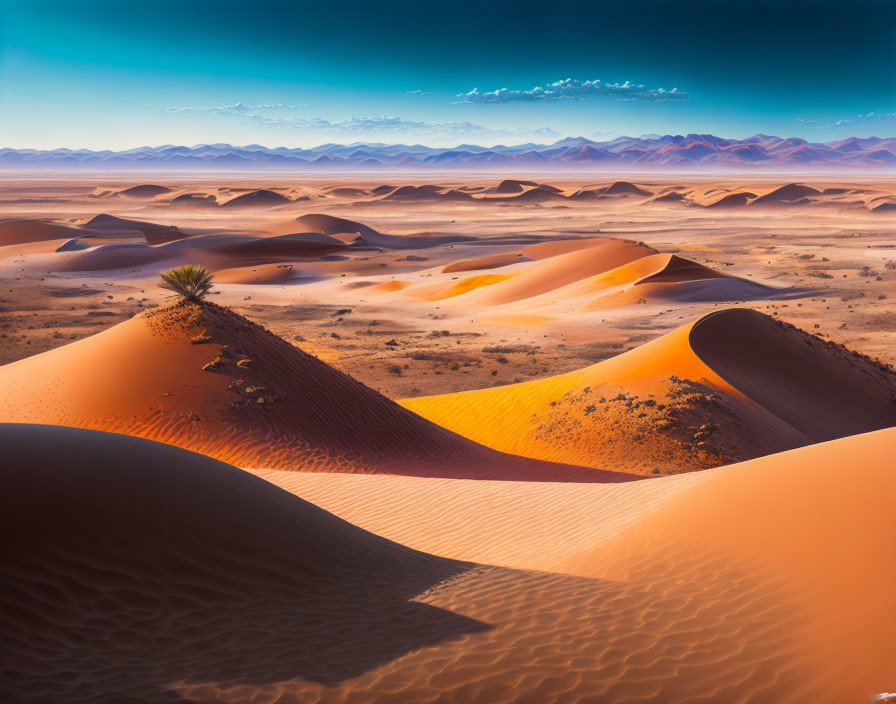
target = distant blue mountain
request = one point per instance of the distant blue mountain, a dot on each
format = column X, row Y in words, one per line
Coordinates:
column 692, row 151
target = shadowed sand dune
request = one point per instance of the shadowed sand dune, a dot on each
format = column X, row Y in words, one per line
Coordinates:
column 206, row 379
column 130, row 566
column 330, row 225
column 625, row 188
column 734, row 385
column 146, row 190
column 732, row 200
column 152, row 232
column 261, row 198
column 818, row 387
column 195, row 200
column 791, row 194
column 770, row 530
column 215, row 251
column 510, row 185
column 14, row 232
column 670, row 198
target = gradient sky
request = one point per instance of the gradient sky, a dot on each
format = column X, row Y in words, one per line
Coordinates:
column 114, row 75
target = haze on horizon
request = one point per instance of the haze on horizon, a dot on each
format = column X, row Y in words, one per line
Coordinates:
column 101, row 76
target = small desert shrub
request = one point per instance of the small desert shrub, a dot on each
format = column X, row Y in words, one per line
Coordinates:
column 191, row 282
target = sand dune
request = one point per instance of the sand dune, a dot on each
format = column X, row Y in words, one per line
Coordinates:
column 493, row 261
column 261, row 198
column 510, row 185
column 424, row 193
column 188, row 569
column 761, row 537
column 440, row 292
column 792, row 193
column 26, row 231
column 561, row 269
column 215, row 251
column 540, row 193
column 670, row 198
column 259, row 275
column 345, row 192
column 732, row 386
column 551, row 248
column 732, row 200
column 194, row 200
column 208, row 380
column 146, row 190
column 238, row 591
column 668, row 277
column 820, row 388
column 154, row 233
column 625, row 188
column 330, row 225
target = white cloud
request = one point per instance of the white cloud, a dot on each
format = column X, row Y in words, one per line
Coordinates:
column 573, row 89
column 419, row 92
column 386, row 124
column 253, row 116
column 867, row 117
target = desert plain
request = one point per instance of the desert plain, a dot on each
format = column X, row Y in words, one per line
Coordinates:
column 471, row 439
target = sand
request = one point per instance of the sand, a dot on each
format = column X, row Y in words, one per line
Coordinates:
column 208, row 380
column 683, row 596
column 731, row 386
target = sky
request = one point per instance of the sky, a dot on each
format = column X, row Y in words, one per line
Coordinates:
column 104, row 74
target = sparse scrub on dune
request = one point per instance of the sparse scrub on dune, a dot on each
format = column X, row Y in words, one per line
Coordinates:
column 190, row 282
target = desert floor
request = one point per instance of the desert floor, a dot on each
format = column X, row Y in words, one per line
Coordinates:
column 834, row 260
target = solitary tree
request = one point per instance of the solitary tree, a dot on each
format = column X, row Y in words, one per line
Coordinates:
column 191, row 282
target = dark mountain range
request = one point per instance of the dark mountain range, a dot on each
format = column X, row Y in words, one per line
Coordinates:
column 676, row 152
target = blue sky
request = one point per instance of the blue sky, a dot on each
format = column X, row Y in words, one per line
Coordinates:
column 116, row 75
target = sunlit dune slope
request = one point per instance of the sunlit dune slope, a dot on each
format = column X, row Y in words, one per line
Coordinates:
column 561, row 269
column 668, row 277
column 206, row 379
column 796, row 545
column 732, row 386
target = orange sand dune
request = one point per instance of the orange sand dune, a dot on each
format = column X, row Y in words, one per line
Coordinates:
column 386, row 286
column 155, row 575
column 265, row 274
column 556, row 271
column 668, row 277
column 492, row 261
column 551, row 248
column 26, row 231
column 732, row 386
column 209, row 380
column 782, row 544
column 440, row 292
